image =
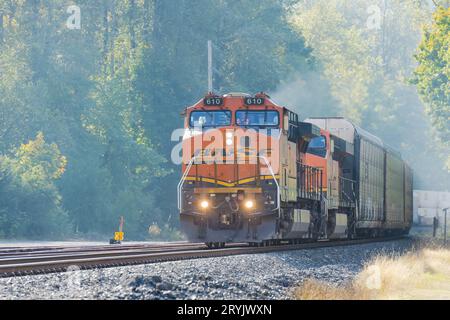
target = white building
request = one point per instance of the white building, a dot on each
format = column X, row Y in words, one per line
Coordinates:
column 430, row 204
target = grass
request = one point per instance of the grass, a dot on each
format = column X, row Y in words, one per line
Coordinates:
column 423, row 274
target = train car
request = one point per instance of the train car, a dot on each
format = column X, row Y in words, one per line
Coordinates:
column 383, row 181
column 252, row 172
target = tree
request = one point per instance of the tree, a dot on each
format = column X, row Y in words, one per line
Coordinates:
column 433, row 73
column 254, row 50
column 110, row 94
column 367, row 66
column 30, row 205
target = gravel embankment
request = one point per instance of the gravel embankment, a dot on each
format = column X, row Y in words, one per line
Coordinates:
column 264, row 276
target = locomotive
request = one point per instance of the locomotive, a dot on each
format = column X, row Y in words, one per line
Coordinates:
column 254, row 173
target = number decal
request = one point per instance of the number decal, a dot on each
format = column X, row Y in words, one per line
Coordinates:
column 254, row 101
column 213, row 101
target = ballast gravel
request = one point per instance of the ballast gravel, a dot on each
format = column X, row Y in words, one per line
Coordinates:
column 258, row 276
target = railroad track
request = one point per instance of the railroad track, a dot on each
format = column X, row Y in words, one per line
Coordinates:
column 61, row 259
column 31, row 252
column 74, row 248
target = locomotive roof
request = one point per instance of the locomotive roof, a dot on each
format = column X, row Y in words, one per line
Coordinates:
column 235, row 95
column 347, row 130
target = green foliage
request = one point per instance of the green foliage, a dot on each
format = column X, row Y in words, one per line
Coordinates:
column 432, row 75
column 367, row 67
column 253, row 50
column 164, row 233
column 109, row 95
column 342, row 49
column 30, row 205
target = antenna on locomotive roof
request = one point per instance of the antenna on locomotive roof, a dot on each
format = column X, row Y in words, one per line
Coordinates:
column 210, row 67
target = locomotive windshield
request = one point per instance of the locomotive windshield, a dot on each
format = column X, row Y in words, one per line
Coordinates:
column 318, row 146
column 257, row 118
column 214, row 118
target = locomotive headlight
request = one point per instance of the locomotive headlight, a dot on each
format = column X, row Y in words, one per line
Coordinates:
column 249, row 204
column 229, row 140
column 204, row 204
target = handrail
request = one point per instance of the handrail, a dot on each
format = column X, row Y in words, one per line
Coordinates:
column 183, row 178
column 344, row 197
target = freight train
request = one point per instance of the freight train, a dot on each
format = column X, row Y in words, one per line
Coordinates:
column 253, row 172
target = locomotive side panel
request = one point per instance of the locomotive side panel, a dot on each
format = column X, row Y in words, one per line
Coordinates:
column 292, row 172
column 288, row 156
column 284, row 165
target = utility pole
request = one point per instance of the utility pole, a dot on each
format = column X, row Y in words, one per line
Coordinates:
column 210, row 67
column 122, row 220
column 445, row 226
column 435, row 226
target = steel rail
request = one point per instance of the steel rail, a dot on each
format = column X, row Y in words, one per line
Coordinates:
column 49, row 256
column 4, row 251
column 95, row 244
column 113, row 259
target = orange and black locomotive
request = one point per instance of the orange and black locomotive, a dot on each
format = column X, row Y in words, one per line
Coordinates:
column 253, row 172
